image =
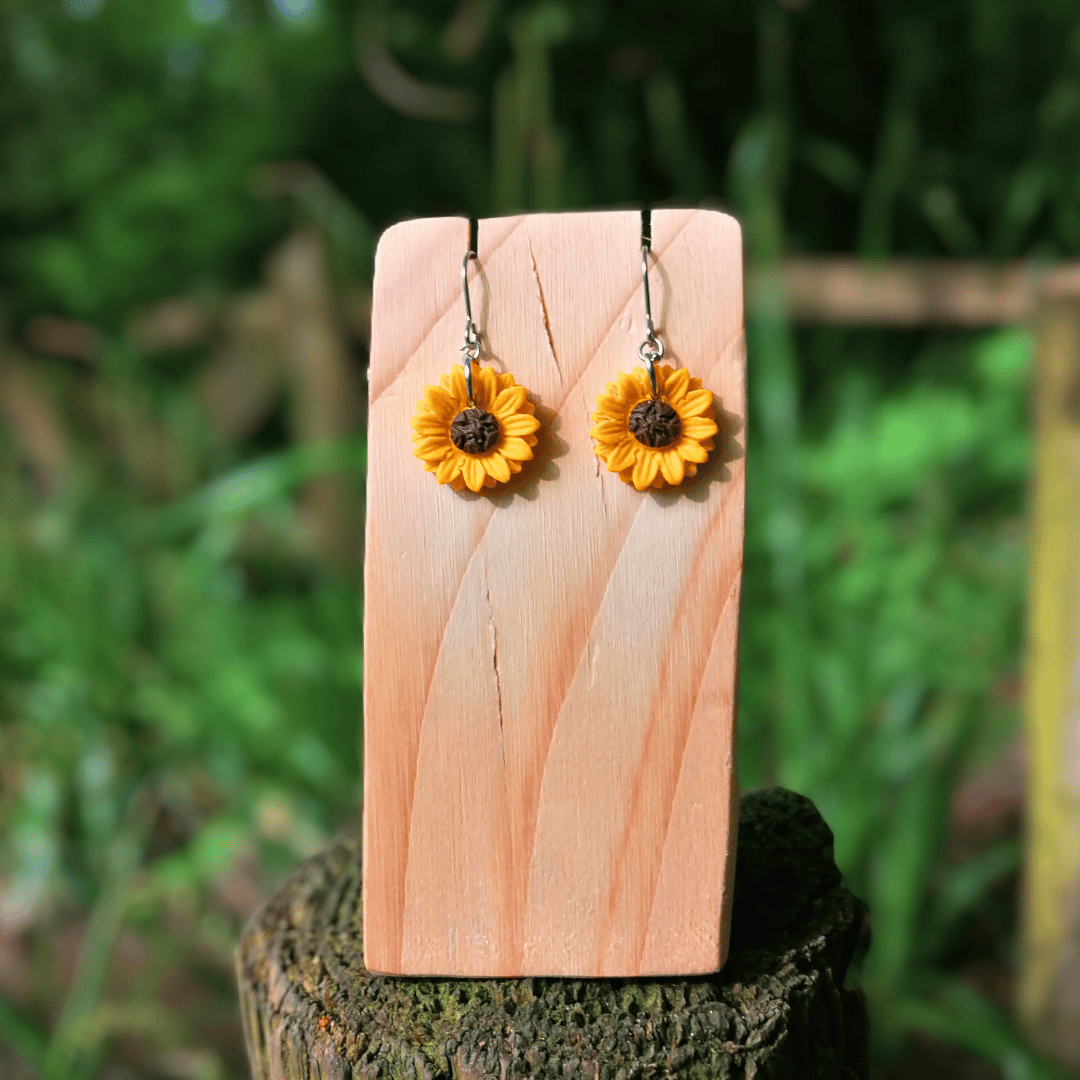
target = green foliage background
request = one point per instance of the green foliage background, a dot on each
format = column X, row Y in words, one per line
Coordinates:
column 175, row 705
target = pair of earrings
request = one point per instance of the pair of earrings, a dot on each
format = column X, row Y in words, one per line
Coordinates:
column 653, row 426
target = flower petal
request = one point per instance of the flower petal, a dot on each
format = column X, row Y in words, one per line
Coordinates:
column 473, row 472
column 642, row 383
column 608, row 431
column 484, row 387
column 696, row 403
column 426, row 424
column 519, row 425
column 517, row 449
column 448, row 468
column 509, row 401
column 693, row 451
column 673, row 467
column 431, row 453
column 675, row 385
column 623, row 455
column 645, row 470
column 609, row 407
column 496, row 466
column 627, row 388
column 699, row 427
column 439, row 401
column 426, row 441
column 457, row 386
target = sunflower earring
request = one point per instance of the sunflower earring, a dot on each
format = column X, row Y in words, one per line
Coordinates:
column 654, row 426
column 470, row 432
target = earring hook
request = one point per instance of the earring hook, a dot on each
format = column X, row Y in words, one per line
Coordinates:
column 471, row 348
column 652, row 348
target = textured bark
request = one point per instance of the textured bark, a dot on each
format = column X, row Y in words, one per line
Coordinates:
column 778, row 1009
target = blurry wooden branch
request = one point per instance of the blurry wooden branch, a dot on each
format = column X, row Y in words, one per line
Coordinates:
column 287, row 342
column 36, row 431
column 913, row 292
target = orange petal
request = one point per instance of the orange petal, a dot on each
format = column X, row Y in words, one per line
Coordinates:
column 448, row 468
column 626, row 386
column 699, row 427
column 645, row 470
column 509, row 401
column 608, row 429
column 424, row 421
column 610, row 408
column 642, row 383
column 623, row 455
column 517, row 449
column 439, row 401
column 496, row 466
column 426, row 440
column 519, row 425
column 457, row 386
column 431, row 453
column 693, row 451
column 675, row 385
column 485, row 387
column 473, row 472
column 696, row 403
column 504, row 381
column 673, row 467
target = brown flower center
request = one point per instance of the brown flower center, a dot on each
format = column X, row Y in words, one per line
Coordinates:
column 475, row 431
column 654, row 423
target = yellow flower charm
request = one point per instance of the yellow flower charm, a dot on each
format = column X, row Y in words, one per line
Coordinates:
column 651, row 441
column 477, row 445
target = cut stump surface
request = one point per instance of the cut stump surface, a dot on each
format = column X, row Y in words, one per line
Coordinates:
column 779, row 1008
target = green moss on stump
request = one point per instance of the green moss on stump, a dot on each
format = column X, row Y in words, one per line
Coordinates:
column 778, row 1008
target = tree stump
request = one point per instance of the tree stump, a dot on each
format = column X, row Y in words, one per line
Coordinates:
column 779, row 1008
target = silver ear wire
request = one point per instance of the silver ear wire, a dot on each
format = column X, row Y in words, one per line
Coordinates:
column 652, row 348
column 471, row 348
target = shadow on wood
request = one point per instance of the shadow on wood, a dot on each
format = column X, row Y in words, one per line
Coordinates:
column 778, row 1009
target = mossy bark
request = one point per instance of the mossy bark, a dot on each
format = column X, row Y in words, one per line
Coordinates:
column 779, row 1008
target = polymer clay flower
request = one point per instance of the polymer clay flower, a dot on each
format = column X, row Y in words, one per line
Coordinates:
column 477, row 444
column 651, row 441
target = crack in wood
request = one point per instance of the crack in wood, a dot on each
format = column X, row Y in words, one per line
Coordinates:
column 495, row 664
column 543, row 307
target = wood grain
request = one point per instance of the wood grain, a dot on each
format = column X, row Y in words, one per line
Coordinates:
column 550, row 671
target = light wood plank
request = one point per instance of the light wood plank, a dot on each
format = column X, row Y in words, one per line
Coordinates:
column 550, row 670
column 1048, row 987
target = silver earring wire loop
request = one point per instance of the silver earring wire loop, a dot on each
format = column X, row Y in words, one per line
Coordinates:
column 471, row 348
column 652, row 348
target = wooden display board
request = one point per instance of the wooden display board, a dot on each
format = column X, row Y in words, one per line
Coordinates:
column 549, row 671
